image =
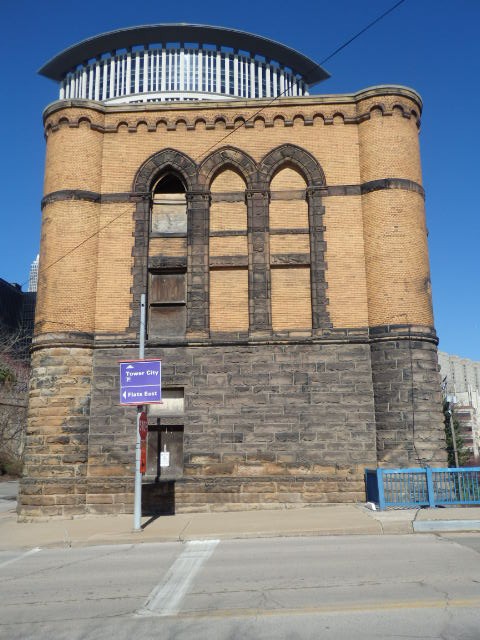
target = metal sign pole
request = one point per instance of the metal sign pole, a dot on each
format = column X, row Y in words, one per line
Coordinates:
column 137, row 504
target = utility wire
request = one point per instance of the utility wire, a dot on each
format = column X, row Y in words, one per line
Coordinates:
column 80, row 244
column 357, row 35
column 329, row 57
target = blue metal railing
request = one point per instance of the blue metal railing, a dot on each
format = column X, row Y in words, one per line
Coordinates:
column 422, row 487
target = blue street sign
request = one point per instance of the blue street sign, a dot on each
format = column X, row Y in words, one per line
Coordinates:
column 141, row 382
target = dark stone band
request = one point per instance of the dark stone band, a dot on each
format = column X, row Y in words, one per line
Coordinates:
column 358, row 335
column 336, row 190
column 92, row 196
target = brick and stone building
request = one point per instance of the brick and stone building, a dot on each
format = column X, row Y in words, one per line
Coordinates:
column 17, row 313
column 280, row 238
column 462, row 383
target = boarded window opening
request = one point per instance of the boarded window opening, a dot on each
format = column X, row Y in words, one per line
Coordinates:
column 169, row 207
column 167, row 309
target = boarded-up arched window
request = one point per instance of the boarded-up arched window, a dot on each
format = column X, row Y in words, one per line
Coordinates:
column 169, row 206
column 167, row 284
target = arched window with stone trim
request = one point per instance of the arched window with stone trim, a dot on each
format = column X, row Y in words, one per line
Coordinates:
column 169, row 205
column 291, row 300
column 228, row 254
column 167, row 258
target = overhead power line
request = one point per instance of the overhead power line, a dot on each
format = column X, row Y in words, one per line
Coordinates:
column 329, row 57
column 357, row 35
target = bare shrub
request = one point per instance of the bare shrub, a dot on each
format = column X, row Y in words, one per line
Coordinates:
column 14, row 374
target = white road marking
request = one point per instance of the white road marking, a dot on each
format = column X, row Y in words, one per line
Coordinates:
column 20, row 557
column 167, row 596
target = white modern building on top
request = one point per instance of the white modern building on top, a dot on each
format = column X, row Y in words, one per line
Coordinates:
column 180, row 62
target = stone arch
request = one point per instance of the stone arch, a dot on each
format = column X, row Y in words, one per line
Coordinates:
column 165, row 161
column 199, row 121
column 228, row 157
column 239, row 122
column 181, row 122
column 338, row 117
column 85, row 120
column 161, row 124
column 220, row 120
column 377, row 109
column 290, row 154
column 141, row 123
column 298, row 120
column 122, row 125
column 162, row 161
column 399, row 108
column 259, row 120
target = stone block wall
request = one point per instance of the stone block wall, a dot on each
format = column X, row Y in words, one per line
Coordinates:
column 263, row 424
column 55, row 468
column 408, row 403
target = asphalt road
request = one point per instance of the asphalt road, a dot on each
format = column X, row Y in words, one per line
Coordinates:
column 8, row 495
column 351, row 587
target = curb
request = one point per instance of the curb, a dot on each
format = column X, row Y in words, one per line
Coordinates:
column 432, row 526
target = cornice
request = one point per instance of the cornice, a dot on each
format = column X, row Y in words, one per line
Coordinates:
column 227, row 114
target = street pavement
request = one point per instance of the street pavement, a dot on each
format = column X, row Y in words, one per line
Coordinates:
column 293, row 588
column 338, row 519
column 296, row 574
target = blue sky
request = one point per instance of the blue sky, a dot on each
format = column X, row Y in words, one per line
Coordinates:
column 432, row 46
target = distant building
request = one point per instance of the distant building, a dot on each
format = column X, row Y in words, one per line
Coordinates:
column 281, row 240
column 33, row 275
column 462, row 378
column 17, row 314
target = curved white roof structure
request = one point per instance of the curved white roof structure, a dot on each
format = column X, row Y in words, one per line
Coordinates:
column 169, row 62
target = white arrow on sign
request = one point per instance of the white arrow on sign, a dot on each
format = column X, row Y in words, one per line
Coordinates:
column 124, row 394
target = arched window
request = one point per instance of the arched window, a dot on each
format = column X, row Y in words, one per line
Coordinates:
column 167, row 254
column 169, row 206
column 228, row 254
column 290, row 252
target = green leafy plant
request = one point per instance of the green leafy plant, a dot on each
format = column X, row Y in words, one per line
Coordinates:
column 7, row 376
column 462, row 452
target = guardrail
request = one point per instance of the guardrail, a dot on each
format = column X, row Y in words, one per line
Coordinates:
column 419, row 487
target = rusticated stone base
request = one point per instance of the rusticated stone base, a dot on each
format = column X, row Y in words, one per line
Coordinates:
column 46, row 498
column 408, row 403
column 109, row 495
column 333, row 485
column 56, row 447
column 265, row 425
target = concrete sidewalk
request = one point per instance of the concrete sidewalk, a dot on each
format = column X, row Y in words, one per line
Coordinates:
column 334, row 519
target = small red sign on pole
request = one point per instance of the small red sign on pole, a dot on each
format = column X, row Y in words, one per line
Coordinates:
column 143, row 426
column 143, row 456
